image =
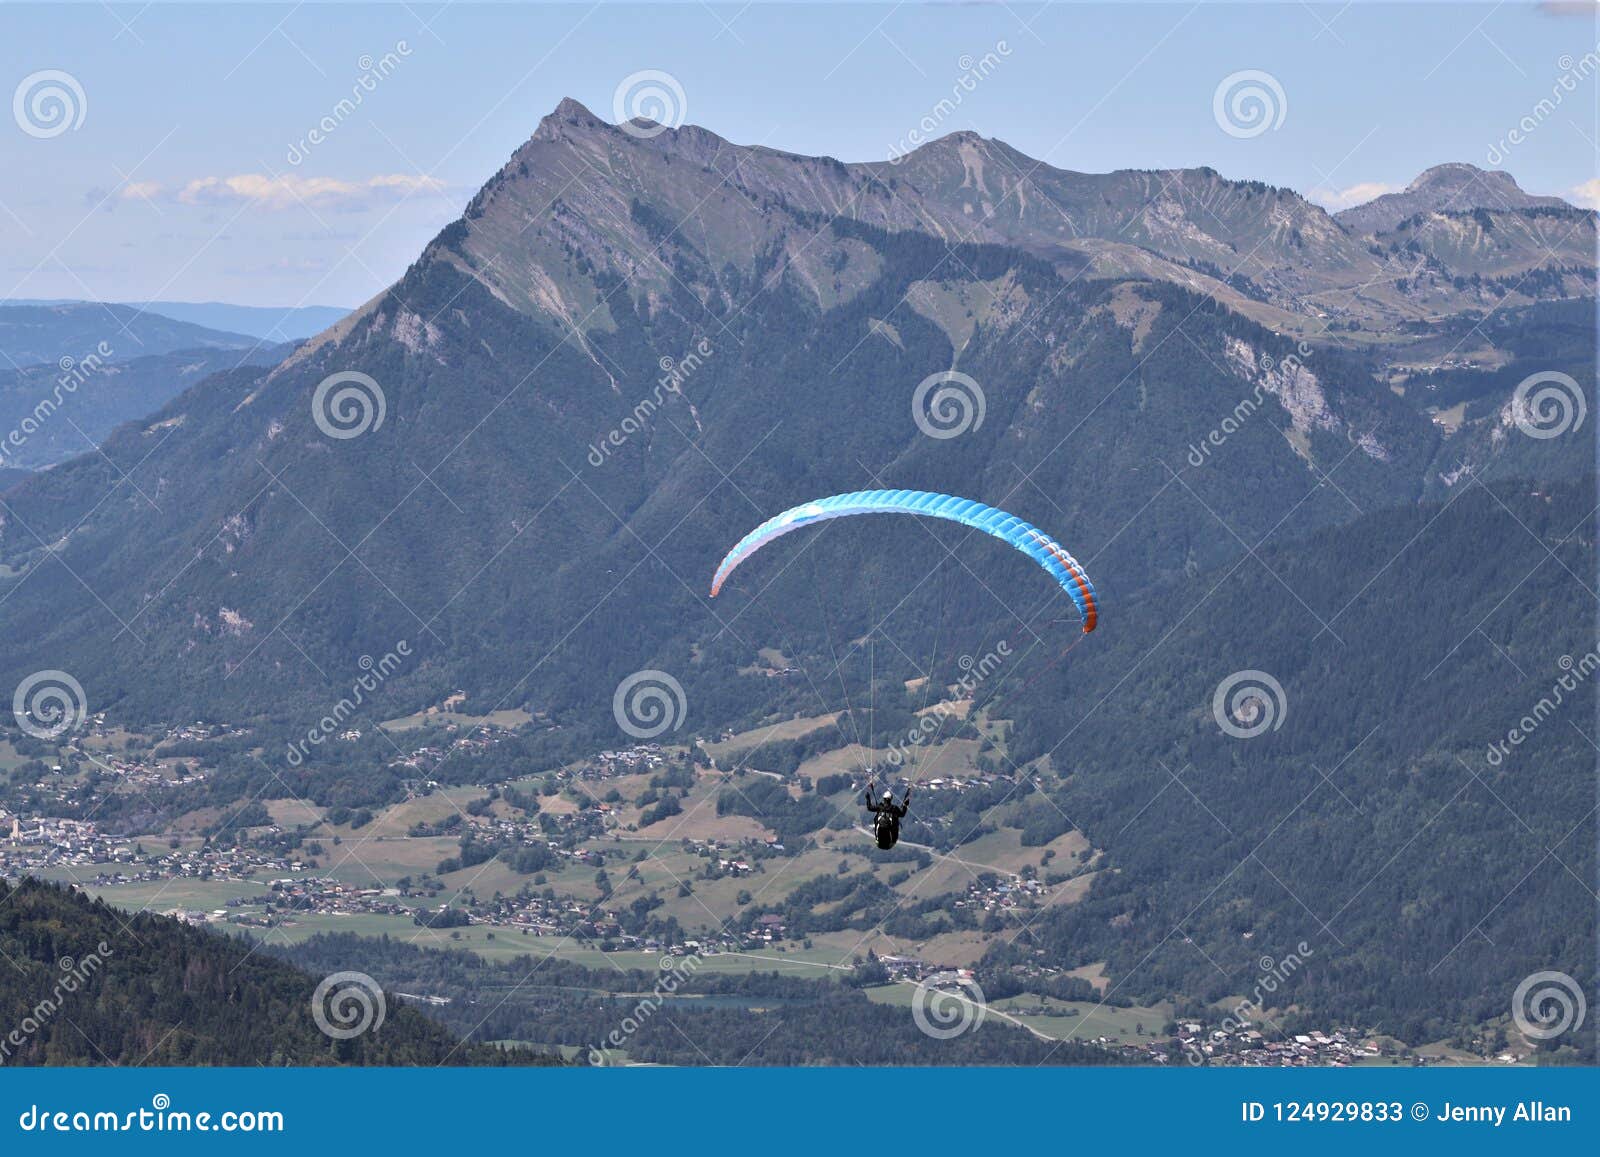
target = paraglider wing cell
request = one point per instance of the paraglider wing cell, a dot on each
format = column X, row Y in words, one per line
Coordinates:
column 1008, row 528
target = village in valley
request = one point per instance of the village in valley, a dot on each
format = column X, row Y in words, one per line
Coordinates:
column 641, row 853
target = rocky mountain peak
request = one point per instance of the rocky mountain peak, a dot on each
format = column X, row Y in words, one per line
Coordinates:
column 585, row 203
column 566, row 116
column 1452, row 186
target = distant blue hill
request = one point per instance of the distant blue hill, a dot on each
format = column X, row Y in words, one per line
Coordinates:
column 269, row 323
column 49, row 414
column 273, row 323
column 47, row 334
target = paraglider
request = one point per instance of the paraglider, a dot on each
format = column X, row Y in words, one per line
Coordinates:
column 1049, row 554
column 1008, row 528
column 886, row 814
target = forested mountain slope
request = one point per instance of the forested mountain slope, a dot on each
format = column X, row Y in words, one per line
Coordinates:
column 529, row 470
column 86, row 984
column 1415, row 799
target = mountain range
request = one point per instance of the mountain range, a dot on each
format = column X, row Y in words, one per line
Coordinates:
column 534, row 326
column 1403, row 261
column 44, row 334
column 53, row 412
column 267, row 323
column 523, row 459
column 73, row 371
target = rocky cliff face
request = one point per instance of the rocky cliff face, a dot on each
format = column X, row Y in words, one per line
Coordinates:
column 584, row 200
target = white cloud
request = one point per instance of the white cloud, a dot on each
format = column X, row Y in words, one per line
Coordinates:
column 1586, row 194
column 290, row 190
column 1359, row 194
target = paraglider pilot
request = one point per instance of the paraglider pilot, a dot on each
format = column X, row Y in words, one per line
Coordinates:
column 886, row 814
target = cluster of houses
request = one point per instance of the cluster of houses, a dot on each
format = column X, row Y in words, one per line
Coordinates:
column 142, row 772
column 909, row 968
column 958, row 783
column 35, row 845
column 480, row 738
column 187, row 732
column 150, row 773
column 291, row 898
column 767, row 928
column 326, row 895
column 1250, row 1047
column 1003, row 894
column 715, row 849
column 639, row 758
column 544, row 916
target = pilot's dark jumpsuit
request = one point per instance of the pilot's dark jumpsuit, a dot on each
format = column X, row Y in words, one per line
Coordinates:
column 886, row 825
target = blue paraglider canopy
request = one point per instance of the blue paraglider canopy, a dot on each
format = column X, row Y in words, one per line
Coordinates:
column 1008, row 528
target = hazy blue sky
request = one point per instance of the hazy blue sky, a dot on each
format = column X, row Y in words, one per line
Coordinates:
column 179, row 182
